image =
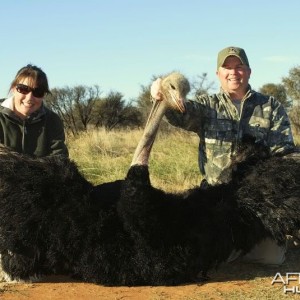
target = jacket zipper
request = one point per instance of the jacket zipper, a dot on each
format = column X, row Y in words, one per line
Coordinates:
column 240, row 115
column 248, row 94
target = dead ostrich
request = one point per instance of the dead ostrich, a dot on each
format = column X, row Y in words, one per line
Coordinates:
column 53, row 221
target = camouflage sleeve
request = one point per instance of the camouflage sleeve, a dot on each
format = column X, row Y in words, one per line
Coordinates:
column 192, row 118
column 280, row 136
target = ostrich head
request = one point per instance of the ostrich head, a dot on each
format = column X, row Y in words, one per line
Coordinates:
column 174, row 88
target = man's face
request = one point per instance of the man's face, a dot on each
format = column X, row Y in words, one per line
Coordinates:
column 234, row 76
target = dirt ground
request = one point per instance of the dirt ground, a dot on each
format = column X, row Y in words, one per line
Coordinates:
column 230, row 281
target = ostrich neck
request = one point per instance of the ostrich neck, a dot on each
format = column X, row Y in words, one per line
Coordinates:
column 143, row 149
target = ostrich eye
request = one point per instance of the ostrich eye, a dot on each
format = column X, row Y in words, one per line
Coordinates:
column 172, row 86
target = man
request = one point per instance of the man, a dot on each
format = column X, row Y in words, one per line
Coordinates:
column 222, row 119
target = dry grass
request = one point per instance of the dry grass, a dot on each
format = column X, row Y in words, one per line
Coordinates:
column 105, row 156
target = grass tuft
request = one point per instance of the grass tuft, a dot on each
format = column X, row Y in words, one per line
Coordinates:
column 104, row 156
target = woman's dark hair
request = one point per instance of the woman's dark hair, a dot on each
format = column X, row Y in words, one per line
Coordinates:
column 37, row 76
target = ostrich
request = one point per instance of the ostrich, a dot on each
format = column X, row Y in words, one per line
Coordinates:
column 243, row 212
column 127, row 232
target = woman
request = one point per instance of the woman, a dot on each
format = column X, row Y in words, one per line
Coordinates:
column 26, row 124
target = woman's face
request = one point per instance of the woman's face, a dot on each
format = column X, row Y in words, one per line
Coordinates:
column 25, row 103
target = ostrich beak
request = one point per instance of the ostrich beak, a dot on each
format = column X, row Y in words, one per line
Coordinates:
column 159, row 107
column 177, row 101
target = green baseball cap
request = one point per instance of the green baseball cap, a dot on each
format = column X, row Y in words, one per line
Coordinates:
column 232, row 51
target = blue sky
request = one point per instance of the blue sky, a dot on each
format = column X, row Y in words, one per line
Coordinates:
column 121, row 44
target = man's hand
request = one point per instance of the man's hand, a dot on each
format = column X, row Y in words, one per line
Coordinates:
column 155, row 89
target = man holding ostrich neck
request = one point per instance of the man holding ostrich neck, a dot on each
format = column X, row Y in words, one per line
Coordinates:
column 222, row 119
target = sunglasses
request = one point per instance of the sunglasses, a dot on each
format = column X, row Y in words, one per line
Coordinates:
column 25, row 89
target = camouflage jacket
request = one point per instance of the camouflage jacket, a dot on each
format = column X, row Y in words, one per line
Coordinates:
column 220, row 127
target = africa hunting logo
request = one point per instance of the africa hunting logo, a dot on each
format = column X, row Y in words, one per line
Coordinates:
column 290, row 282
